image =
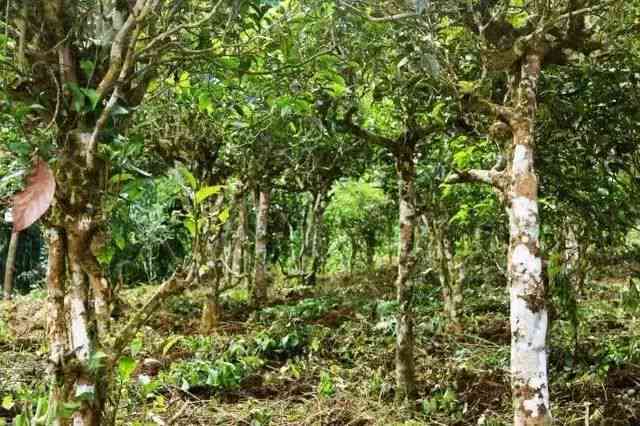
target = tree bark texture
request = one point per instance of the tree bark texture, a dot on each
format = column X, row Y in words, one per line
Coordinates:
column 451, row 278
column 82, row 340
column 240, row 242
column 56, row 324
column 10, row 265
column 530, row 385
column 215, row 253
column 405, row 375
column 259, row 289
column 312, row 240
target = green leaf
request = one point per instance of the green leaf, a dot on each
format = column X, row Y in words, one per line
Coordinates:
column 136, row 346
column 337, row 90
column 207, row 192
column 224, row 215
column 205, row 103
column 190, row 224
column 41, row 410
column 87, row 67
column 126, row 366
column 20, row 420
column 188, row 177
column 105, row 256
column 467, row 87
column 518, row 20
column 19, row 148
column 184, row 82
column 120, row 241
column 121, row 177
column 461, row 216
column 68, row 408
column 93, row 97
column 78, row 97
column 463, row 158
column 7, row 402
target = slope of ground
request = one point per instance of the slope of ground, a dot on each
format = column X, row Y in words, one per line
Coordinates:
column 324, row 356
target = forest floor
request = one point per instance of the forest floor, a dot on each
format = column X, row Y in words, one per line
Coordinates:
column 325, row 356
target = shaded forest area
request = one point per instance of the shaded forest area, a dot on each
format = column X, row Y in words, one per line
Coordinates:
column 352, row 212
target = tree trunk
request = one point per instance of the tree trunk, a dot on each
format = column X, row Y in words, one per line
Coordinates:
column 354, row 255
column 457, row 295
column 312, row 240
column 451, row 279
column 529, row 379
column 445, row 260
column 405, row 377
column 56, row 325
column 306, row 230
column 371, row 251
column 100, row 290
column 10, row 265
column 240, row 243
column 211, row 310
column 78, row 201
column 82, row 344
column 259, row 289
column 319, row 248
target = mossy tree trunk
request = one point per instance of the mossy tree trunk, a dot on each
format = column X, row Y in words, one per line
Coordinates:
column 405, row 375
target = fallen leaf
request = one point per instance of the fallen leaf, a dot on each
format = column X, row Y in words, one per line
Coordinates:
column 30, row 204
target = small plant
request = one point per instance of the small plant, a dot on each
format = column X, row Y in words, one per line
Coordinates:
column 326, row 387
column 260, row 418
column 443, row 402
column 376, row 383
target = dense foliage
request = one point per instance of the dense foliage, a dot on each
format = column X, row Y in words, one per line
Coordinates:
column 258, row 203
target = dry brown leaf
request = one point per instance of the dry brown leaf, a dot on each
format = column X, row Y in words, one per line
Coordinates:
column 30, row 204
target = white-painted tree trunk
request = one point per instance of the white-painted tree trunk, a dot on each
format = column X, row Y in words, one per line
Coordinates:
column 530, row 384
column 81, row 342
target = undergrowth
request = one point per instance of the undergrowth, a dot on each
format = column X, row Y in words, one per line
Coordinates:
column 325, row 356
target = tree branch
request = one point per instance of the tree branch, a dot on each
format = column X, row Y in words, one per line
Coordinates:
column 115, row 95
column 365, row 134
column 567, row 15
column 505, row 113
column 389, row 18
column 494, row 177
column 119, row 53
column 489, row 177
column 174, row 30
column 170, row 287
